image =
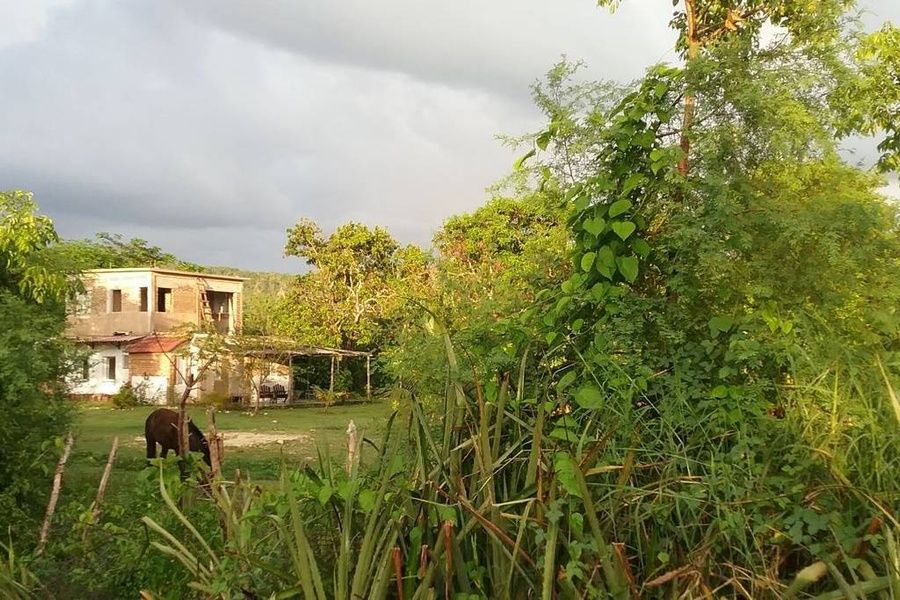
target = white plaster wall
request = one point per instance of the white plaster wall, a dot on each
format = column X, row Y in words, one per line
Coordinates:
column 97, row 382
column 153, row 388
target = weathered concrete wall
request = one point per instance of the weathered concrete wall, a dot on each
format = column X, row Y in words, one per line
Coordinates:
column 186, row 304
column 96, row 317
column 99, row 319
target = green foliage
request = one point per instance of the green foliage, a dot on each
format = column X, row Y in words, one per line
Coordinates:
column 264, row 295
column 24, row 237
column 361, row 282
column 491, row 265
column 127, row 397
column 33, row 359
column 113, row 251
column 17, row 582
column 484, row 503
column 575, row 111
column 872, row 100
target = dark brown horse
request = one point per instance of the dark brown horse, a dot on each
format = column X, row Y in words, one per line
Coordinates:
column 161, row 428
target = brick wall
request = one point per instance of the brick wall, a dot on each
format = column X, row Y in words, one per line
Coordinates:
column 148, row 364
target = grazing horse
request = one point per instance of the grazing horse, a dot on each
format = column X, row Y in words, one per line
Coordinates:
column 161, row 428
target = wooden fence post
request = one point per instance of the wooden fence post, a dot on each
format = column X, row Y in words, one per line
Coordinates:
column 369, row 377
column 101, row 489
column 352, row 447
column 216, row 446
column 54, row 494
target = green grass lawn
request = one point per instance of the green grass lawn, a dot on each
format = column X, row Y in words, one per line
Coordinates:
column 254, row 444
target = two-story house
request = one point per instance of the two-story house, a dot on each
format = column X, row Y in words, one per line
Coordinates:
column 133, row 321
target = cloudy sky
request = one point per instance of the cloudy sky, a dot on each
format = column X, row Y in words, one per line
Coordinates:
column 209, row 126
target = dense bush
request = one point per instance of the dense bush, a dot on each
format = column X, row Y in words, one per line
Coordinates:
column 33, row 360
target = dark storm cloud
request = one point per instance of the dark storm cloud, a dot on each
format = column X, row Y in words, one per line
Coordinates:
column 208, row 127
column 498, row 45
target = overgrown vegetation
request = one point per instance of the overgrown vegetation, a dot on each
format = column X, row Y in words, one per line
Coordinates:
column 662, row 362
column 33, row 360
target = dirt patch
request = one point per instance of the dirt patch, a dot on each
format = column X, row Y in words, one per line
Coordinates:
column 243, row 439
column 247, row 439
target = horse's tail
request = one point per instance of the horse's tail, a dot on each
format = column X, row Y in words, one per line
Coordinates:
column 151, row 439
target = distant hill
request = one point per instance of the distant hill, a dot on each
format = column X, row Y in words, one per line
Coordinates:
column 258, row 282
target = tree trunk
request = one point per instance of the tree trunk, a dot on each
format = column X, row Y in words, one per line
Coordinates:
column 690, row 101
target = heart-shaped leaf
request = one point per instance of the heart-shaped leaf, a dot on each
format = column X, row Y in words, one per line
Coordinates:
column 564, row 468
column 623, row 229
column 633, row 181
column 566, row 380
column 587, row 261
column 595, row 225
column 606, row 262
column 641, row 247
column 543, row 140
column 618, row 207
column 720, row 324
column 598, row 291
column 589, row 397
column 628, row 267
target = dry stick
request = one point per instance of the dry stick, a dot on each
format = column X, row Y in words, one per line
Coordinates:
column 398, row 570
column 54, row 494
column 101, row 489
column 216, row 449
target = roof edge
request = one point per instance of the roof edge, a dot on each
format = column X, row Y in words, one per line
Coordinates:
column 168, row 272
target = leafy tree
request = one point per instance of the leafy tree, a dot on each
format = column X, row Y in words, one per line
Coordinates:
column 575, row 111
column 872, row 100
column 706, row 291
column 492, row 264
column 33, row 357
column 361, row 279
column 112, row 251
column 24, row 236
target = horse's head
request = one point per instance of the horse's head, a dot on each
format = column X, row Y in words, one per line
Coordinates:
column 198, row 442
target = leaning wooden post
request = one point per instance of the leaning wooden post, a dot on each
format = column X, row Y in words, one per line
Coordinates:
column 54, row 494
column 216, row 449
column 352, row 447
column 368, row 377
column 101, row 490
column 184, row 445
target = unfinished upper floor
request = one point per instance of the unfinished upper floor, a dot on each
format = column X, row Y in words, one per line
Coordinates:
column 148, row 300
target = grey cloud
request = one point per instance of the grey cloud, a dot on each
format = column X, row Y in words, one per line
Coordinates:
column 209, row 127
column 501, row 45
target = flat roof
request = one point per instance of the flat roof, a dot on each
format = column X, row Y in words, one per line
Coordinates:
column 109, row 339
column 276, row 345
column 155, row 343
column 167, row 272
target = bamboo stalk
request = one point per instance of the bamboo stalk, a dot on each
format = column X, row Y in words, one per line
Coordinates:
column 54, row 494
column 101, row 489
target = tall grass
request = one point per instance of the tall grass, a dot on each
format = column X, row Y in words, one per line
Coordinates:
column 501, row 493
